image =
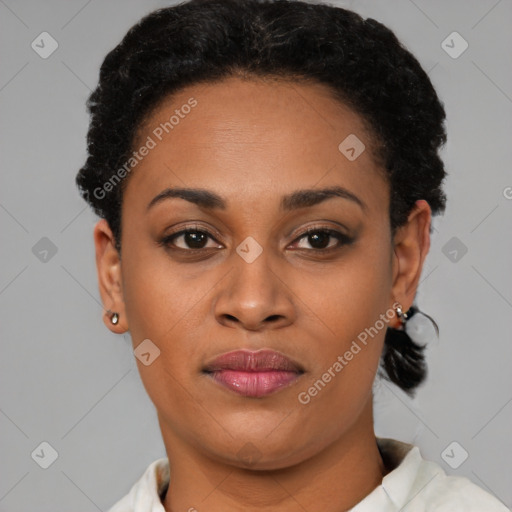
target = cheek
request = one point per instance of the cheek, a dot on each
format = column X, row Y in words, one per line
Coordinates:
column 161, row 300
column 352, row 313
column 347, row 297
column 161, row 306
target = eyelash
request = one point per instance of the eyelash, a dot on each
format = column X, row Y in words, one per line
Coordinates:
column 341, row 237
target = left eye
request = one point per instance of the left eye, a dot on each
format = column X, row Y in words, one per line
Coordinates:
column 192, row 239
column 319, row 239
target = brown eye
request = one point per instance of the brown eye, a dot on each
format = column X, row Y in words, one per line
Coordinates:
column 188, row 239
column 321, row 239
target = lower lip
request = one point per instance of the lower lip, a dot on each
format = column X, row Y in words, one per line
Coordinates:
column 254, row 384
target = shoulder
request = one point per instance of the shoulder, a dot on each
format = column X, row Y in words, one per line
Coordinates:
column 447, row 493
column 422, row 485
column 145, row 494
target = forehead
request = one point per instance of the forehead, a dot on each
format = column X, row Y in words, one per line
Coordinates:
column 256, row 138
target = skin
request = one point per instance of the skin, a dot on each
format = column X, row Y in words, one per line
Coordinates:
column 251, row 142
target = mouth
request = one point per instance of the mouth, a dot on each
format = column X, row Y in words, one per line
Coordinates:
column 253, row 374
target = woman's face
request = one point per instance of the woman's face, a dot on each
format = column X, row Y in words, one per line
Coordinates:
column 248, row 278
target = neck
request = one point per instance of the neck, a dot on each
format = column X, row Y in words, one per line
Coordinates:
column 334, row 480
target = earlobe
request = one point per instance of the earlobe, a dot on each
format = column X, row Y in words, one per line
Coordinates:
column 108, row 266
column 411, row 246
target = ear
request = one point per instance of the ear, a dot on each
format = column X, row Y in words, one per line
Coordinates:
column 108, row 265
column 411, row 246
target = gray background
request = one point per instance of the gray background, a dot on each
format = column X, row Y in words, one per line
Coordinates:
column 70, row 382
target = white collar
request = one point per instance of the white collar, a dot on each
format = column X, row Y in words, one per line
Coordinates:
column 412, row 478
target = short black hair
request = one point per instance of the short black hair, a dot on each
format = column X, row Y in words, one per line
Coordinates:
column 203, row 41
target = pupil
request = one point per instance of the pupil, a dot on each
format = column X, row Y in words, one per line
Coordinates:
column 322, row 237
column 195, row 240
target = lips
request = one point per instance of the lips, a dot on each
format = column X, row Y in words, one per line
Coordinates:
column 253, row 374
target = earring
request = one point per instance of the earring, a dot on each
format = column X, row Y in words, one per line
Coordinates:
column 401, row 315
column 114, row 317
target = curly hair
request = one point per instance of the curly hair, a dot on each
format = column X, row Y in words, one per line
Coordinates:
column 360, row 60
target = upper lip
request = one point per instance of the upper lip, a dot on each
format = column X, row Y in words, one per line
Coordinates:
column 253, row 361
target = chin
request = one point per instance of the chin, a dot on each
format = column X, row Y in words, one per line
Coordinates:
column 264, row 452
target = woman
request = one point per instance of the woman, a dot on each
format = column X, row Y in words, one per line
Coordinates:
column 265, row 173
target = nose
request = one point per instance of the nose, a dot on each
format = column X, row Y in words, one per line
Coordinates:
column 254, row 296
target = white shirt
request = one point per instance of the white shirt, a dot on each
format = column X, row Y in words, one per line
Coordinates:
column 415, row 485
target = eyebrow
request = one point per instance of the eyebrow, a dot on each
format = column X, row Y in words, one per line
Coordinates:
column 299, row 199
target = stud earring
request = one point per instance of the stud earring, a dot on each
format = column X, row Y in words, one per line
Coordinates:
column 401, row 315
column 114, row 317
